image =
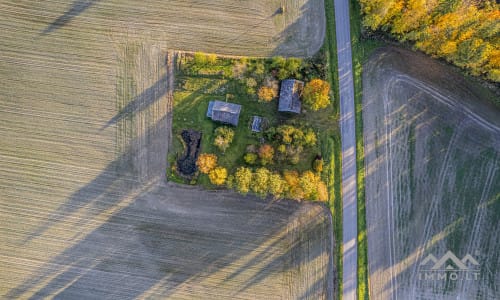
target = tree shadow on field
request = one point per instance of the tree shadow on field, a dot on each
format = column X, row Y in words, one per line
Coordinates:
column 141, row 102
column 76, row 8
column 134, row 236
column 174, row 239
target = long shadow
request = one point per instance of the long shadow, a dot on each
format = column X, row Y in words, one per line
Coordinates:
column 184, row 241
column 142, row 101
column 77, row 8
column 118, row 179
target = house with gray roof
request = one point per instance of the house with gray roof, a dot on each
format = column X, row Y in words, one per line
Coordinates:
column 224, row 112
column 290, row 93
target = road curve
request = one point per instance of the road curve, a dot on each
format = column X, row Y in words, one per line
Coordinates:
column 348, row 138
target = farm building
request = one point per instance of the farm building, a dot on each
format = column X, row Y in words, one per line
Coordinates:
column 256, row 124
column 290, row 93
column 224, row 112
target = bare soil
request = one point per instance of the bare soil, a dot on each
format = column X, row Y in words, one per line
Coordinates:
column 85, row 117
column 432, row 144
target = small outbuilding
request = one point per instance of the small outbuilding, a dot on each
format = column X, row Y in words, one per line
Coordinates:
column 224, row 112
column 290, row 92
column 256, row 124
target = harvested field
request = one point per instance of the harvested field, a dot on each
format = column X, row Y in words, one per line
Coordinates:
column 432, row 145
column 85, row 117
column 253, row 28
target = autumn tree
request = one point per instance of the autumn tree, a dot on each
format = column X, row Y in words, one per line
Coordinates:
column 218, row 176
column 315, row 95
column 266, row 94
column 464, row 33
column 294, row 188
column 309, row 184
column 223, row 138
column 260, row 182
column 242, row 179
column 206, row 162
column 277, row 185
column 266, row 154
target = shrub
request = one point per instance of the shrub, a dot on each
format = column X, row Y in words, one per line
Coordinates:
column 200, row 59
column 266, row 154
column 250, row 158
column 281, row 148
column 206, row 162
column 260, row 182
column 211, row 59
column 266, row 94
column 250, row 84
column 242, row 179
column 218, row 176
column 322, row 191
column 318, row 164
column 230, row 182
column 223, row 137
column 315, row 95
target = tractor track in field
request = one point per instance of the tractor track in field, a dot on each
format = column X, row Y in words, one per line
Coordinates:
column 449, row 134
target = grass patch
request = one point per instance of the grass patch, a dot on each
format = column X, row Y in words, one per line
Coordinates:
column 361, row 50
column 237, row 81
column 332, row 153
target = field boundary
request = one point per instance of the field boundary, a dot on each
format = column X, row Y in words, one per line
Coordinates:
column 361, row 49
column 334, row 183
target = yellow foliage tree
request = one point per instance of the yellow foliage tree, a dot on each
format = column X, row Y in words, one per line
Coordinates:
column 315, row 95
column 218, row 176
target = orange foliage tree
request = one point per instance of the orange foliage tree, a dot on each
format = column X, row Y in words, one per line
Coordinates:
column 266, row 94
column 206, row 162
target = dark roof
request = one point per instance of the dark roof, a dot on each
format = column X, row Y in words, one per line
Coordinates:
column 224, row 112
column 290, row 92
column 256, row 123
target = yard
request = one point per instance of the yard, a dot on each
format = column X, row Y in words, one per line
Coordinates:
column 203, row 78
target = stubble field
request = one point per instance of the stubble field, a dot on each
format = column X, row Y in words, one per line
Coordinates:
column 432, row 145
column 85, row 117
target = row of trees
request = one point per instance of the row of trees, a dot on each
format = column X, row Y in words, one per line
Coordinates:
column 263, row 182
column 291, row 184
column 466, row 33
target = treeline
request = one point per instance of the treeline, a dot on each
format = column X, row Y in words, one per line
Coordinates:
column 464, row 32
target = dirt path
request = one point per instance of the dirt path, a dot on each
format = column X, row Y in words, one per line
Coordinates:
column 432, row 177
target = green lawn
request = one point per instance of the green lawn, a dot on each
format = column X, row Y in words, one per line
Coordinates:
column 196, row 87
column 333, row 149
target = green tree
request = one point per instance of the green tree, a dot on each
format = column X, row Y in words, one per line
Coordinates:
column 223, row 138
